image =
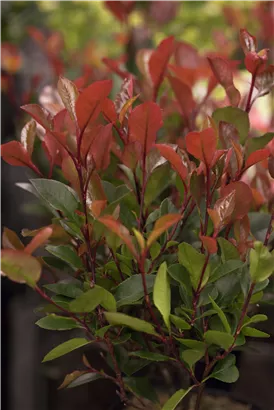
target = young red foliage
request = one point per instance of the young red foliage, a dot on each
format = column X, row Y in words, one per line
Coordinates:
column 256, row 157
column 158, row 62
column 175, row 160
column 144, row 122
column 210, row 244
column 183, row 95
column 243, row 198
column 100, row 148
column 202, row 145
column 14, row 153
column 89, row 103
column 42, row 236
column 41, row 115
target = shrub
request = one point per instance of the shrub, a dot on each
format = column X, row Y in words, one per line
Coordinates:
column 157, row 223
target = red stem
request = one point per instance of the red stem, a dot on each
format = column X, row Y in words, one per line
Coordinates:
column 269, row 230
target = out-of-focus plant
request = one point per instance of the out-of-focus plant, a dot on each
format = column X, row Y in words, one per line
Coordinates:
column 162, row 214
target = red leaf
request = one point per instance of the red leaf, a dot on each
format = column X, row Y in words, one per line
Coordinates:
column 41, row 115
column 187, row 56
column 14, row 153
column 257, row 156
column 114, row 67
column 174, row 159
column 223, row 73
column 39, row 239
column 89, row 103
column 144, row 122
column 247, row 41
column 271, row 166
column 162, row 225
column 265, row 80
column 202, row 145
column 210, row 244
column 120, row 9
column 243, row 198
column 120, row 230
column 108, row 109
column 221, row 215
column 183, row 95
column 125, row 94
column 132, row 154
column 100, row 148
column 256, row 62
column 159, row 60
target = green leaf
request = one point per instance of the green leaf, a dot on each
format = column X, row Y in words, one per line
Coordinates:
column 236, row 117
column 54, row 322
column 225, row 370
column 67, row 254
column 157, row 183
column 65, row 348
column 101, row 332
column 258, row 143
column 58, row 195
column 193, row 261
column 132, row 290
column 228, row 251
column 84, row 379
column 179, row 322
column 181, row 275
column 131, row 322
column 177, row 397
column 221, row 315
column 162, row 293
column 154, row 250
column 62, row 301
column 226, row 268
column 218, row 338
column 255, row 319
column 20, row 267
column 261, row 262
column 71, row 289
column 250, row 331
column 191, row 356
column 155, row 357
column 193, row 344
column 141, row 387
column 89, row 300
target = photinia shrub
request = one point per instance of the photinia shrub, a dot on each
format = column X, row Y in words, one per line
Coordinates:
column 162, row 216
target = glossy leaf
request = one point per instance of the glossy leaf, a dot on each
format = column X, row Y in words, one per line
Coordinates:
column 65, row 348
column 20, row 267
column 89, row 103
column 243, row 198
column 159, row 60
column 162, row 225
column 223, row 210
column 131, row 322
column 58, row 195
column 89, row 300
column 261, row 262
column 100, row 148
column 175, row 160
column 28, row 135
column 67, row 254
column 247, row 41
column 235, row 116
column 223, row 73
column 131, row 290
column 39, row 114
column 69, row 94
column 10, row 240
column 222, row 339
column 144, row 122
column 155, row 357
column 179, row 322
column 120, row 230
column 193, row 261
column 221, row 315
column 202, row 145
column 42, row 236
column 162, row 293
column 225, row 370
column 14, row 153
column 191, row 356
column 175, row 399
column 54, row 322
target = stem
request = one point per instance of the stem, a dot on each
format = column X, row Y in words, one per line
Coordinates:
column 141, row 221
column 269, row 230
column 248, row 103
column 81, row 322
column 199, row 396
column 198, row 291
column 208, row 202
